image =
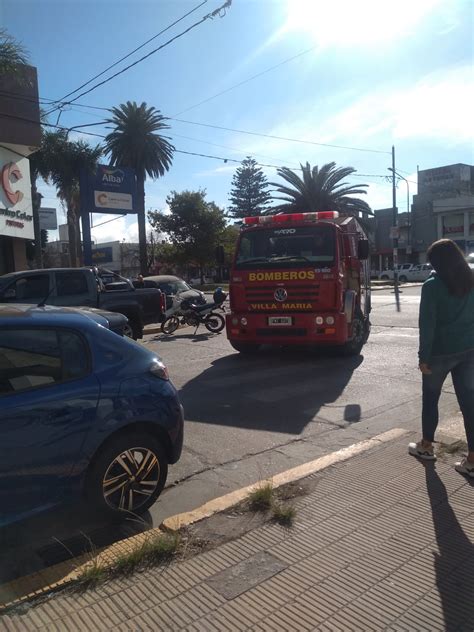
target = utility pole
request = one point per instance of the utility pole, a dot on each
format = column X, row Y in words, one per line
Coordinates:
column 394, row 231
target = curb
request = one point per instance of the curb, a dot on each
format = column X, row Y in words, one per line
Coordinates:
column 59, row 576
column 217, row 505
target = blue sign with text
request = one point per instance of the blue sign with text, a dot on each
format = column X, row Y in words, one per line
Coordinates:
column 109, row 190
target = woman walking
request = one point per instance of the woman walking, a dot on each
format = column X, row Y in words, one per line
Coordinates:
column 447, row 345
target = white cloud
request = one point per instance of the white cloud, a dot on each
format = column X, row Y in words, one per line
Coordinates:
column 345, row 23
column 120, row 229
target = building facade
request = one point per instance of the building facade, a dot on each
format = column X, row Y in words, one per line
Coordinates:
column 120, row 257
column 444, row 208
column 20, row 135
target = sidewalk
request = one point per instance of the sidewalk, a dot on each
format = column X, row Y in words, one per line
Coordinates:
column 382, row 542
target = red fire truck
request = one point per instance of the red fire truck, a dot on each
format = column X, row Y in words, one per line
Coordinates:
column 300, row 279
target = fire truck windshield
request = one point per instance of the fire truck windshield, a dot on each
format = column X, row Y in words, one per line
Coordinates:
column 287, row 247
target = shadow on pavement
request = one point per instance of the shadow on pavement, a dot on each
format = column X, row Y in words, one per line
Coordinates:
column 58, row 535
column 454, row 564
column 275, row 390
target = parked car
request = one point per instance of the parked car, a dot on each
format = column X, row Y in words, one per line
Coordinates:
column 197, row 280
column 84, row 411
column 417, row 273
column 84, row 287
column 174, row 286
column 402, row 269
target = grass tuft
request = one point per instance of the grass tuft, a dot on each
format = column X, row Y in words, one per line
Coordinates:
column 284, row 514
column 153, row 550
column 92, row 574
column 261, row 499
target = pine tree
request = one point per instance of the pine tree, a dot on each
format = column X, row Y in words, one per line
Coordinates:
column 249, row 195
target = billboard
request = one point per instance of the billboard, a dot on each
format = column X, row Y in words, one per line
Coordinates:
column 48, row 219
column 102, row 255
column 16, row 211
column 108, row 190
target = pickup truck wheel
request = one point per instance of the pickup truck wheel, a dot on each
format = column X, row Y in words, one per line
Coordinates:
column 403, row 279
column 245, row 347
column 127, row 475
column 133, row 330
column 384, row 277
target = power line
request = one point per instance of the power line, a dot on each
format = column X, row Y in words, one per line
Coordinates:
column 131, row 52
column 293, row 140
column 208, row 16
column 60, row 127
column 107, row 221
column 241, row 83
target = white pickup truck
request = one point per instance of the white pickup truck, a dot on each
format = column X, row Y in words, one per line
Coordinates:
column 408, row 272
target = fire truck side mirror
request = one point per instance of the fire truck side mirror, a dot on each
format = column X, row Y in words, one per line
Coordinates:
column 363, row 249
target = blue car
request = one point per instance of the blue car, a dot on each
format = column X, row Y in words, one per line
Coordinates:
column 82, row 411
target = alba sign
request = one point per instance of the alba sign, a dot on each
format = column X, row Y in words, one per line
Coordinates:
column 108, row 190
column 16, row 212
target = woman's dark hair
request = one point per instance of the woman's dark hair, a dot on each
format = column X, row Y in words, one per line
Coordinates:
column 450, row 265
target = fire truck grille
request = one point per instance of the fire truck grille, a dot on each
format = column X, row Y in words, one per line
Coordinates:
column 295, row 293
column 286, row 332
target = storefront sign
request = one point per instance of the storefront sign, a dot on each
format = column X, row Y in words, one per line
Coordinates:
column 108, row 190
column 453, row 225
column 102, row 255
column 48, row 219
column 16, row 213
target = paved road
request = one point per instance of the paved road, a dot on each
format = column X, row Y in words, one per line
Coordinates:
column 250, row 417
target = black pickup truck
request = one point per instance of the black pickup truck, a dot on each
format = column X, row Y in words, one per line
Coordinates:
column 77, row 287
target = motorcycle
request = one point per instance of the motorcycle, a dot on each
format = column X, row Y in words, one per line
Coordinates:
column 186, row 312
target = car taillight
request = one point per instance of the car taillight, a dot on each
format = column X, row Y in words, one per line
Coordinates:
column 163, row 302
column 158, row 369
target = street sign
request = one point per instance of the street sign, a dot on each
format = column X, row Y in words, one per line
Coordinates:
column 394, row 232
column 48, row 219
column 109, row 190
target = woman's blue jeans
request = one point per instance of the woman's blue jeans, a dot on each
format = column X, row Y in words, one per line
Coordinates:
column 461, row 367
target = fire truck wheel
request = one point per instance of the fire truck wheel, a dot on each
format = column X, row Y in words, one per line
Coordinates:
column 359, row 336
column 245, row 347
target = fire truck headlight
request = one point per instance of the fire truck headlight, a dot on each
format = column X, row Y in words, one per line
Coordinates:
column 330, row 320
column 319, row 320
column 243, row 321
column 235, row 321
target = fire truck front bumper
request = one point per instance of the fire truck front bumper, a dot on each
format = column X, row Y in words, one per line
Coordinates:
column 296, row 328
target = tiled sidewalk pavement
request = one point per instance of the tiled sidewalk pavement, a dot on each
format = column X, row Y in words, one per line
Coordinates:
column 383, row 543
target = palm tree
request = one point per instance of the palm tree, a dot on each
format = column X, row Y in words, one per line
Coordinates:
column 61, row 161
column 12, row 54
column 320, row 189
column 40, row 167
column 136, row 143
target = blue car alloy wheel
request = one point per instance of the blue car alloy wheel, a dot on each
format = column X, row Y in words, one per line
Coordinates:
column 127, row 475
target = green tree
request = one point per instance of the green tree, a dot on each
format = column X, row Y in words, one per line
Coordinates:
column 137, row 143
column 60, row 161
column 320, row 189
column 193, row 225
column 12, row 54
column 249, row 194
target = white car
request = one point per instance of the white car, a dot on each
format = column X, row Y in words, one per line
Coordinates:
column 417, row 273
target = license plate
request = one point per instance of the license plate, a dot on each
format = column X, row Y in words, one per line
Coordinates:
column 280, row 321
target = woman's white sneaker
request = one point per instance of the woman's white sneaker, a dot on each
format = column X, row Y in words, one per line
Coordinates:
column 465, row 467
column 417, row 449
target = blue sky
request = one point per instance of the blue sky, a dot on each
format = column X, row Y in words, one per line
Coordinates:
column 373, row 74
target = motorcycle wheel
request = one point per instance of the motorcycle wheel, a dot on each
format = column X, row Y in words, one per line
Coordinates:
column 170, row 325
column 214, row 323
